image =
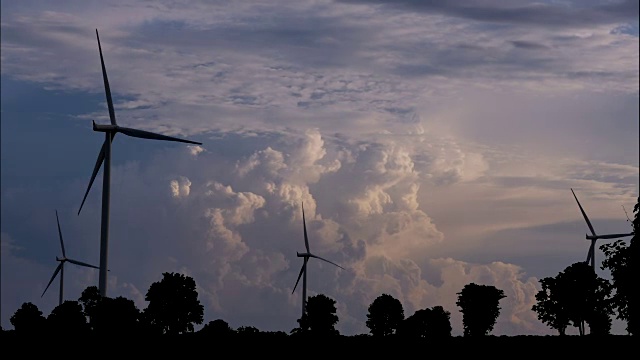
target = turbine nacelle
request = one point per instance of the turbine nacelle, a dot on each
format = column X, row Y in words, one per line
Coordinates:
column 303, row 254
column 104, row 128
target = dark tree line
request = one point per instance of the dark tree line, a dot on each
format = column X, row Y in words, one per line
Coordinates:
column 174, row 309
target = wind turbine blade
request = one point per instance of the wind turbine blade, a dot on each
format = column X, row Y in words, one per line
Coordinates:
column 584, row 214
column 614, row 236
column 593, row 243
column 304, row 226
column 82, row 264
column 53, row 277
column 107, row 89
column 330, row 262
column 60, row 233
column 149, row 135
column 302, row 269
column 96, row 168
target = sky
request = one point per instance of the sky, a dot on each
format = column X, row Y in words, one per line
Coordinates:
column 433, row 143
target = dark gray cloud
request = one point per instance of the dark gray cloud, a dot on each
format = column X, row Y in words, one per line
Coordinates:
column 528, row 45
column 520, row 12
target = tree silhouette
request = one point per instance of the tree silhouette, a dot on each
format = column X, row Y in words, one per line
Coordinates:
column 321, row 315
column 108, row 315
column 550, row 308
column 217, row 328
column 68, row 318
column 587, row 296
column 90, row 298
column 439, row 323
column 621, row 260
column 28, row 319
column 118, row 316
column 385, row 315
column 303, row 325
column 173, row 305
column 480, row 307
column 427, row 323
column 574, row 297
column 247, row 331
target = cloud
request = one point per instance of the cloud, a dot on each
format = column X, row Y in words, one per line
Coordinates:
column 386, row 63
column 239, row 241
column 522, row 12
column 181, row 187
column 413, row 137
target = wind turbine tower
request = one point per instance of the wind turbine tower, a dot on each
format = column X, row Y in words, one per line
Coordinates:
column 60, row 267
column 104, row 156
column 594, row 237
column 303, row 270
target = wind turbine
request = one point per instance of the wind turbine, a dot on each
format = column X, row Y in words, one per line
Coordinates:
column 594, row 237
column 303, row 270
column 105, row 157
column 62, row 260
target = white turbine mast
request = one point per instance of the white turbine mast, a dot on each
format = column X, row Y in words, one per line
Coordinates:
column 105, row 157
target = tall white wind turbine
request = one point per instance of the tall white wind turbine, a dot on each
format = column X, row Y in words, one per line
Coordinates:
column 105, row 157
column 303, row 270
column 60, row 268
column 594, row 237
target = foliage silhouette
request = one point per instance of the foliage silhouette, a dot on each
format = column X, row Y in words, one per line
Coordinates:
column 427, row 323
column 480, row 307
column 90, row 298
column 117, row 316
column 550, row 308
column 217, row 328
column 574, row 297
column 303, row 325
column 385, row 315
column 28, row 319
column 68, row 318
column 321, row 315
column 588, row 298
column 247, row 331
column 173, row 305
column 621, row 260
column 110, row 316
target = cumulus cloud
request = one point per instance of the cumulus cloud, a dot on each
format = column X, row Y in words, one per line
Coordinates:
column 181, row 187
column 240, row 240
column 237, row 227
column 196, row 149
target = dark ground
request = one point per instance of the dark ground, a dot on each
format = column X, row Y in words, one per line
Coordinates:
column 284, row 347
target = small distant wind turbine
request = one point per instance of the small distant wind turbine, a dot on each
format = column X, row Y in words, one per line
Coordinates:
column 60, row 268
column 627, row 215
column 303, row 270
column 593, row 237
column 105, row 156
